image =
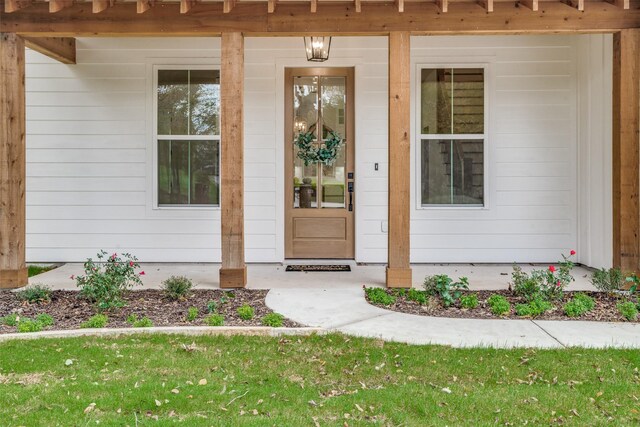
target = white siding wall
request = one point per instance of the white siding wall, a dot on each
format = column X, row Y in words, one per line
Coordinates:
column 90, row 152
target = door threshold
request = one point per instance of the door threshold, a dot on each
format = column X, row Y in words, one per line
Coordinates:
column 350, row 262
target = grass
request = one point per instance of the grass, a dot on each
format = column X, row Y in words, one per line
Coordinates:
column 34, row 270
column 318, row 380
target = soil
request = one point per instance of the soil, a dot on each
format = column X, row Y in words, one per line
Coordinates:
column 605, row 309
column 69, row 311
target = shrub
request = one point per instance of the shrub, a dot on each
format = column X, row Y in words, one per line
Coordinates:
column 214, row 320
column 177, row 287
column 274, row 320
column 523, row 285
column 499, row 305
column 379, row 296
column 548, row 284
column 420, row 297
column 29, row 325
column 96, row 321
column 534, row 308
column 628, row 310
column 145, row 322
column 44, row 319
column 245, row 312
column 192, row 314
column 35, row 294
column 445, row 288
column 579, row 305
column 469, row 301
column 608, row 280
column 10, row 319
column 212, row 306
column 104, row 282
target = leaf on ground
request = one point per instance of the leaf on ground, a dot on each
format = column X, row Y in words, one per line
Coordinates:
column 158, row 403
column 202, row 382
column 446, row 390
column 175, row 391
column 68, row 362
column 90, row 408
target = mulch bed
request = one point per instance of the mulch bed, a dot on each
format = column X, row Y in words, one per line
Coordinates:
column 69, row 311
column 604, row 311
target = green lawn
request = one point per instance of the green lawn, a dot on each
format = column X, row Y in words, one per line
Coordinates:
column 34, row 270
column 331, row 380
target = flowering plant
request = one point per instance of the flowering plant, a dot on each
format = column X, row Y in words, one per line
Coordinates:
column 104, row 281
column 548, row 284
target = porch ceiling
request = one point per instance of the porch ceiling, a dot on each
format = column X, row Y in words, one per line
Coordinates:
column 66, row 18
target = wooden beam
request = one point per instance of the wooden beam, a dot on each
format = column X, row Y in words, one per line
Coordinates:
column 531, row 4
column 101, row 5
column 13, row 268
column 626, row 154
column 61, row 49
column 314, row 6
column 15, row 5
column 186, row 5
column 400, row 5
column 398, row 268
column 622, row 4
column 576, row 4
column 443, row 5
column 144, row 5
column 233, row 273
column 294, row 19
column 487, row 5
column 358, row 5
column 271, row 6
column 58, row 5
column 228, row 6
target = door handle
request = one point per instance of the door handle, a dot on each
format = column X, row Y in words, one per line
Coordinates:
column 350, row 189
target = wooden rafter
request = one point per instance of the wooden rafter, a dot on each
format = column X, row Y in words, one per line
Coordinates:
column 400, row 5
column 487, row 5
column 531, row 4
column 576, row 4
column 623, row 4
column 314, row 6
column 58, row 5
column 15, row 5
column 186, row 5
column 358, row 5
column 271, row 6
column 443, row 5
column 102, row 5
column 143, row 5
column 61, row 49
column 228, row 5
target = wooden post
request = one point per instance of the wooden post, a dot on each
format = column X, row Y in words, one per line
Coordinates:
column 398, row 268
column 626, row 154
column 233, row 273
column 13, row 269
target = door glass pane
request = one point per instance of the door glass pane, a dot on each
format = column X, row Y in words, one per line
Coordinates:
column 204, row 92
column 333, row 107
column 173, row 175
column 305, row 119
column 173, row 105
column 204, row 172
column 452, row 101
column 452, row 172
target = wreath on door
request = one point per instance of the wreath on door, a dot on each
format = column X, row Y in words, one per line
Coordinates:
column 325, row 153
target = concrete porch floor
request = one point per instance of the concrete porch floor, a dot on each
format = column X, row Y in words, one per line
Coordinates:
column 274, row 276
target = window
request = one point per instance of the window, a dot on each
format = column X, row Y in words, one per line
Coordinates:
column 188, row 137
column 452, row 136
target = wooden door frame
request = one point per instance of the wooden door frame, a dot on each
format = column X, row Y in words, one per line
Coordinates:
column 289, row 73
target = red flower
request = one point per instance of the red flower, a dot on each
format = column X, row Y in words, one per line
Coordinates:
column 558, row 284
column 130, row 263
column 72, row 277
column 142, row 273
column 552, row 268
column 572, row 252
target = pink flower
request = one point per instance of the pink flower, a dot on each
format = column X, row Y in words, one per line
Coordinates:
column 558, row 284
column 572, row 252
column 552, row 268
column 72, row 277
column 130, row 263
column 142, row 273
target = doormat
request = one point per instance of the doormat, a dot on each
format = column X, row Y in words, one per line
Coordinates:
column 302, row 267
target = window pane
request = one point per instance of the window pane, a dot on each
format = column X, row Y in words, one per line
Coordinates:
column 452, row 172
column 173, row 108
column 305, row 104
column 452, row 101
column 173, row 172
column 334, row 94
column 204, row 102
column 205, row 174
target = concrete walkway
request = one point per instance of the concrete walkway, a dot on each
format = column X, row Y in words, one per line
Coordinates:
column 346, row 310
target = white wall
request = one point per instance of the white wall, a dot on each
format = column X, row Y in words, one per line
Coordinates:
column 89, row 152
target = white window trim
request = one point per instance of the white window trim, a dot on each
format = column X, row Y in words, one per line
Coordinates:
column 156, row 137
column 419, row 136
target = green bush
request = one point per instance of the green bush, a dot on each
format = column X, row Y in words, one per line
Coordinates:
column 44, row 319
column 105, row 281
column 35, row 294
column 499, row 305
column 212, row 306
column 420, row 297
column 192, row 314
column 548, row 283
column 628, row 310
column 579, row 305
column 96, row 321
column 274, row 320
column 10, row 319
column 29, row 325
column 608, row 280
column 177, row 287
column 523, row 285
column 214, row 320
column 379, row 296
column 245, row 312
column 469, row 301
column 144, row 322
column 534, row 308
column 445, row 288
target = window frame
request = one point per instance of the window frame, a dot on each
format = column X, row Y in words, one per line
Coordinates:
column 157, row 137
column 420, row 136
